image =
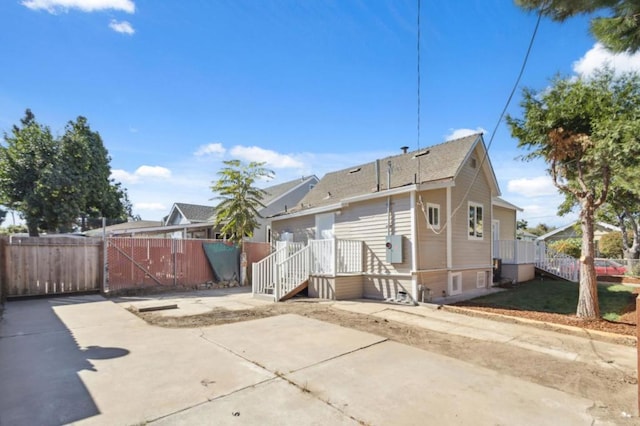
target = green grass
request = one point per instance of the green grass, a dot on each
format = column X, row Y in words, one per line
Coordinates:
column 559, row 297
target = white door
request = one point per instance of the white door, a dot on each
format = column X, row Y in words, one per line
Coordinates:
column 324, row 226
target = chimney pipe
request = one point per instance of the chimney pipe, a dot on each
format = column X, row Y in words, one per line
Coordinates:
column 404, row 149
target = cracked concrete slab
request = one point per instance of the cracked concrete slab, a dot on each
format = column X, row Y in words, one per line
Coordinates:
column 390, row 383
column 276, row 402
column 289, row 342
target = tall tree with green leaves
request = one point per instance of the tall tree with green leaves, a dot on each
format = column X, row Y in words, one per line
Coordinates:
column 238, row 212
column 25, row 170
column 87, row 168
column 584, row 129
column 619, row 31
column 53, row 182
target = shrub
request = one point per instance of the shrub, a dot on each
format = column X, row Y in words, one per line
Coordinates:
column 610, row 245
column 571, row 247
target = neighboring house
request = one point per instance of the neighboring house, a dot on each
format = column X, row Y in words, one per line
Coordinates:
column 572, row 230
column 427, row 219
column 198, row 220
column 191, row 214
column 278, row 199
column 525, row 235
column 137, row 228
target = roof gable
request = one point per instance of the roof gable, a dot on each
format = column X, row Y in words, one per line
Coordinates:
column 275, row 192
column 438, row 163
column 193, row 213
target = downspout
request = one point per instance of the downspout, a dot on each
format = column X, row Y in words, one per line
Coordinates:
column 449, row 238
column 388, row 198
column 414, row 248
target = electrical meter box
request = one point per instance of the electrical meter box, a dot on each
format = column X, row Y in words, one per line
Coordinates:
column 393, row 243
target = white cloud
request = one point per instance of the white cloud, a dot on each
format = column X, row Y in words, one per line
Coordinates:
column 212, row 148
column 141, row 172
column 461, row 133
column 150, row 207
column 123, row 27
column 53, row 6
column 272, row 158
column 532, row 187
column 597, row 57
column 153, row 171
column 123, row 176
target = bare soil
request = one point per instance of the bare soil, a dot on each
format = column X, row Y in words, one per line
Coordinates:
column 613, row 389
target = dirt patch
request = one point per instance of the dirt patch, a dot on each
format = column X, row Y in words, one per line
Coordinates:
column 612, row 388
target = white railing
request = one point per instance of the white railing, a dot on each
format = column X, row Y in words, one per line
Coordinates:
column 515, row 252
column 292, row 272
column 561, row 265
column 291, row 264
column 263, row 273
column 348, row 256
column 330, row 257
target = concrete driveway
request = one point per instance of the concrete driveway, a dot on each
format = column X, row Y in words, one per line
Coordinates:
column 86, row 360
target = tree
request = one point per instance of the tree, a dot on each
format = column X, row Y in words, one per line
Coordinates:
column 570, row 246
column 24, row 170
column 87, row 167
column 238, row 212
column 610, row 245
column 540, row 229
column 53, row 182
column 522, row 224
column 618, row 32
column 621, row 208
column 584, row 129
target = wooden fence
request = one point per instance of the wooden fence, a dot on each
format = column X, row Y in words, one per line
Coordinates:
column 60, row 265
column 50, row 265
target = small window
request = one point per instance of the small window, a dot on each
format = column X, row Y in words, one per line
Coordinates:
column 433, row 215
column 476, row 221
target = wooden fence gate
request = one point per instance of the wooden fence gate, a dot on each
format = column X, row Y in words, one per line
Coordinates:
column 34, row 266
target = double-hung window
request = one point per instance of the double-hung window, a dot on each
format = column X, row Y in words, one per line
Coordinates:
column 476, row 221
column 433, row 215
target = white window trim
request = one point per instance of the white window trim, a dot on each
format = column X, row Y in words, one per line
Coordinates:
column 435, row 207
column 475, row 231
column 452, row 277
column 481, row 279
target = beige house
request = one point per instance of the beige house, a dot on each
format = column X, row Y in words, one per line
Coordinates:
column 425, row 222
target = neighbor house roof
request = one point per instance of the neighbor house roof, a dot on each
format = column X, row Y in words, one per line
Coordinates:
column 603, row 225
column 194, row 213
column 276, row 191
column 124, row 227
column 438, row 163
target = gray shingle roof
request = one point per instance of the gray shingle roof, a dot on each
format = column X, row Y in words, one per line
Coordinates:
column 436, row 163
column 275, row 191
column 195, row 212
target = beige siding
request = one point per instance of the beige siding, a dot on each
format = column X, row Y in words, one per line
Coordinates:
column 321, row 288
column 367, row 221
column 507, row 218
column 435, row 283
column 432, row 246
column 469, row 279
column 348, row 287
column 381, row 287
column 338, row 288
column 303, row 228
column 467, row 252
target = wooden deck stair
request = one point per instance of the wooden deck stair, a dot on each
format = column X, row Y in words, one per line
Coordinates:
column 295, row 291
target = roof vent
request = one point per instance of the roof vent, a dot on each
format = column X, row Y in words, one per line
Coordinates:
column 356, row 170
column 421, row 154
column 404, row 149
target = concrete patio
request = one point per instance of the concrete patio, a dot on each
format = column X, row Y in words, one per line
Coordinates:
column 86, row 360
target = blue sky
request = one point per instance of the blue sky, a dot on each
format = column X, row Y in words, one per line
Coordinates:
column 175, row 87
